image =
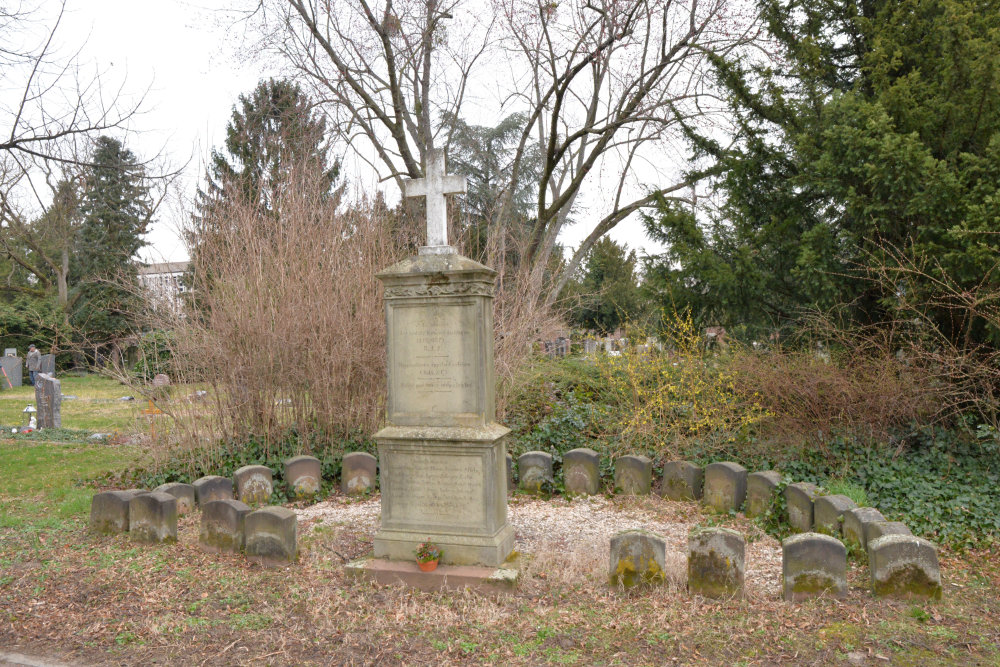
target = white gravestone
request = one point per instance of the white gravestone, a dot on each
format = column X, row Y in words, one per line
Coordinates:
column 433, row 187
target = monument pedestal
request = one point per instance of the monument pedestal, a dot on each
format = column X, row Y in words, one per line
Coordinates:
column 442, row 456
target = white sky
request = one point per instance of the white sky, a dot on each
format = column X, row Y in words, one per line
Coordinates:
column 187, row 54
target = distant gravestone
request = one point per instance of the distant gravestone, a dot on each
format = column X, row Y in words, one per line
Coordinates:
column 357, row 473
column 303, row 476
column 254, row 484
column 13, row 369
column 270, row 535
column 534, row 470
column 828, row 512
column 48, row 365
column 48, row 401
column 10, row 352
column 799, row 501
column 582, row 471
column 716, row 562
column 222, row 526
column 634, row 475
column 854, row 524
column 682, row 480
column 760, row 491
column 637, row 559
column 725, row 486
column 184, row 493
column 213, row 487
column 590, row 346
column 813, row 564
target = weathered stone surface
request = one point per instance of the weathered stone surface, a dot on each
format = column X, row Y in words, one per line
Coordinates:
column 582, row 471
column 854, row 524
column 813, row 564
column 270, row 535
column 358, row 473
column 534, row 470
column 716, row 562
column 303, row 476
column 828, row 511
column 510, row 473
column 48, row 365
column 14, row 369
column 904, row 566
column 637, row 559
column 682, row 480
column 760, row 491
column 213, row 487
column 48, row 401
column 184, row 493
column 876, row 529
column 109, row 511
column 799, row 501
column 725, row 486
column 254, row 484
column 222, row 528
column 634, row 475
column 152, row 517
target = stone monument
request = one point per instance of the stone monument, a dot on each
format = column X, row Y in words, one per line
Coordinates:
column 48, row 399
column 442, row 456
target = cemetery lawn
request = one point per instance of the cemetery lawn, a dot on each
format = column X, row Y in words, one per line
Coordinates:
column 96, row 406
column 71, row 596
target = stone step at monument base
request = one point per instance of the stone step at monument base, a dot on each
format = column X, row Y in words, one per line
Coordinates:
column 451, row 577
column 464, row 549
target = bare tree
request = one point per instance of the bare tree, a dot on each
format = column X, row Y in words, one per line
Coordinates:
column 607, row 89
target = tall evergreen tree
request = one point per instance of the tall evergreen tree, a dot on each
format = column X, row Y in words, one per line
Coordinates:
column 608, row 293
column 115, row 211
column 881, row 134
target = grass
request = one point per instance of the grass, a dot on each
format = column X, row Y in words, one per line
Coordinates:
column 75, row 597
column 96, row 408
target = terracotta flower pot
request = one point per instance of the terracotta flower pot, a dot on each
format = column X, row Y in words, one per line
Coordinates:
column 429, row 566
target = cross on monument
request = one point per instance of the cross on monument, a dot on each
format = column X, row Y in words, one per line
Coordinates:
column 434, row 186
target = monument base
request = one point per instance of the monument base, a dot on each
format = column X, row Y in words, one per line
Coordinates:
column 446, row 485
column 477, row 578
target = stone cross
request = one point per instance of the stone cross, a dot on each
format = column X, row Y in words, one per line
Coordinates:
column 434, row 186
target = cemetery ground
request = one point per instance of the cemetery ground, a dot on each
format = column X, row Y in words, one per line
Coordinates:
column 78, row 598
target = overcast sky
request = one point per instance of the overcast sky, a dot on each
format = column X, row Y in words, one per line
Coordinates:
column 186, row 56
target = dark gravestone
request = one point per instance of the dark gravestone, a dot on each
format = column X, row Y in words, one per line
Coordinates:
column 48, row 365
column 13, row 367
column 582, row 471
column 109, row 511
column 510, row 473
column 48, row 401
column 303, row 476
column 270, row 535
column 634, row 475
column 213, row 487
column 682, row 480
column 760, row 491
column 222, row 526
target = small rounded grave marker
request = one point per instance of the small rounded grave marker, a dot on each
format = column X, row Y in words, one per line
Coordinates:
column 799, row 501
column 213, row 487
column 634, row 475
column 109, row 511
column 876, row 529
column 270, row 535
column 303, row 475
column 254, row 484
column 682, row 480
column 358, row 472
column 828, row 512
column 222, row 528
column 854, row 524
column 184, row 493
column 637, row 559
column 534, row 470
column 716, row 562
column 152, row 517
column 813, row 564
column 582, row 471
column 725, row 486
column 760, row 491
column 904, row 566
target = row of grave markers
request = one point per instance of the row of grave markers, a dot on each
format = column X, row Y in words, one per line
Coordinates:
column 814, row 559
